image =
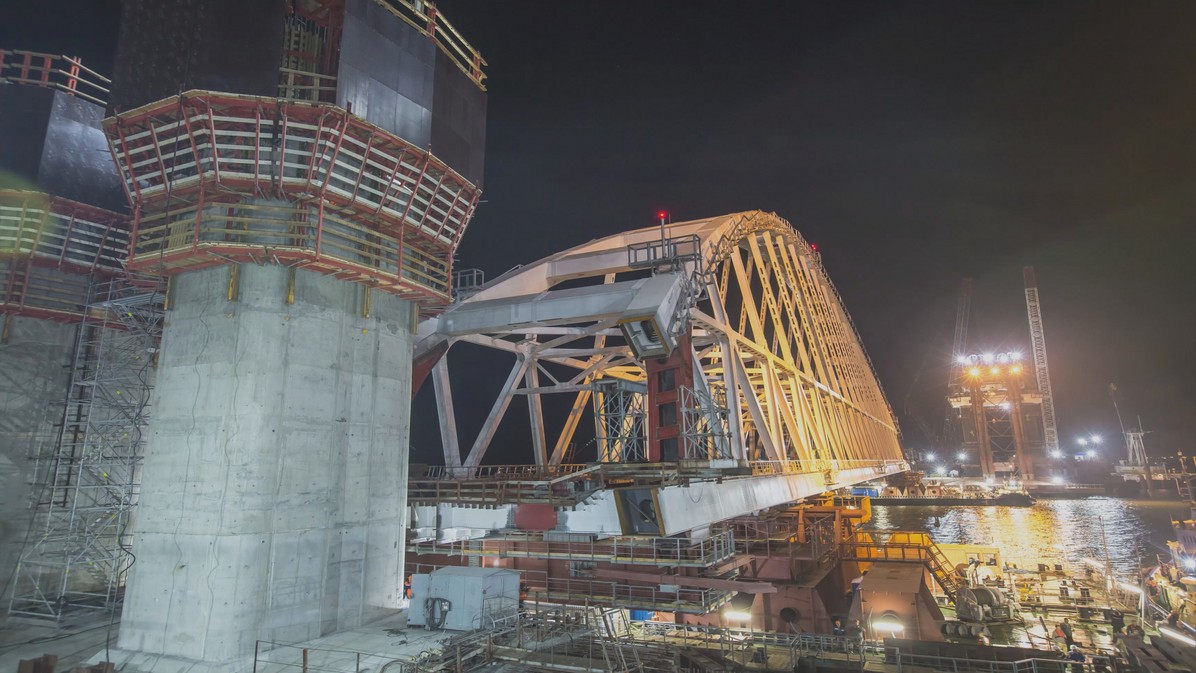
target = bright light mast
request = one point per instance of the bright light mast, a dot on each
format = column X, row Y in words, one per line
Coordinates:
column 1050, row 435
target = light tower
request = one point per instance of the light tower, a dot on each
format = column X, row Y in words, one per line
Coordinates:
column 992, row 395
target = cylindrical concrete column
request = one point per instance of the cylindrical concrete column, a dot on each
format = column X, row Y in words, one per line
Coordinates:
column 275, row 475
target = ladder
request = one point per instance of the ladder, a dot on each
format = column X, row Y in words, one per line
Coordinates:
column 612, row 628
column 942, row 570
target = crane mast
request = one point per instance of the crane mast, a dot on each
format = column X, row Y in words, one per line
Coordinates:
column 1050, row 434
column 963, row 309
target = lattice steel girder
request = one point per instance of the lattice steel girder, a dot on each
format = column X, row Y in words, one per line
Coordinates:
column 769, row 334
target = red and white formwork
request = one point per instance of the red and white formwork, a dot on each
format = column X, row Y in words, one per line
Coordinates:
column 50, row 248
column 216, row 178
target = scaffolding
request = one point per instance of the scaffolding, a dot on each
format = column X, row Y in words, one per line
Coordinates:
column 620, row 419
column 76, row 557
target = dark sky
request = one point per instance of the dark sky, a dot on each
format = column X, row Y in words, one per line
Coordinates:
column 915, row 142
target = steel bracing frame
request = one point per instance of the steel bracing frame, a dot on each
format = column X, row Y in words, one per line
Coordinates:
column 770, row 336
column 76, row 556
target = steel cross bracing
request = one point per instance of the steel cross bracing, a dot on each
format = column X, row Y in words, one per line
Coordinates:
column 1038, row 344
column 776, row 358
column 88, row 484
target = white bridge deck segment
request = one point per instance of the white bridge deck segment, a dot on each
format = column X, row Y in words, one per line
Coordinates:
column 783, row 378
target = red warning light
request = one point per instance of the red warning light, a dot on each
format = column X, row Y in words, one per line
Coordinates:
column 814, row 247
column 661, row 215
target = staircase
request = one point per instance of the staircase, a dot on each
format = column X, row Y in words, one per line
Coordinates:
column 904, row 547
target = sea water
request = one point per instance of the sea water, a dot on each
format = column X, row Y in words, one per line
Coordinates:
column 1131, row 534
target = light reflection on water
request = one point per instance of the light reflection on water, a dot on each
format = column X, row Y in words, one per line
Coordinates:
column 1051, row 531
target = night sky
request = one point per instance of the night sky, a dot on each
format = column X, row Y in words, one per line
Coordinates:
column 915, row 142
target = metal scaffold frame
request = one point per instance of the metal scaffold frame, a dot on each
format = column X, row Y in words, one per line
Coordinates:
column 77, row 555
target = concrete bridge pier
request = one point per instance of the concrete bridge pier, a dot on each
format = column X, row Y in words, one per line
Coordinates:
column 275, row 474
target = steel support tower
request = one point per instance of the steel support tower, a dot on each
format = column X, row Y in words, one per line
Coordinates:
column 77, row 555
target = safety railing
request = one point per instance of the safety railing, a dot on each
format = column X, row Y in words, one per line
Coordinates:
column 540, row 590
column 467, row 282
column 809, row 537
column 53, row 71
column 303, row 85
column 263, row 148
column 903, row 546
column 633, row 596
column 745, row 646
column 274, row 657
column 1092, row 664
column 499, row 472
column 660, row 551
column 302, row 234
column 777, row 467
column 425, row 17
column 669, row 252
column 61, row 232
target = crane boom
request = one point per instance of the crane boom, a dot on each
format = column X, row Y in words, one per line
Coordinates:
column 963, row 310
column 1050, row 434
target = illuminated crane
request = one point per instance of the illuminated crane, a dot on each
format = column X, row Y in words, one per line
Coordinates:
column 1050, row 435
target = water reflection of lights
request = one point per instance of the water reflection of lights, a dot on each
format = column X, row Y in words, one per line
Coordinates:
column 880, row 517
column 1050, row 531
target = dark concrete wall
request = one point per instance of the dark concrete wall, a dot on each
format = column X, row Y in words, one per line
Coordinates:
column 458, row 120
column 386, row 71
column 51, row 141
column 394, row 76
column 169, row 46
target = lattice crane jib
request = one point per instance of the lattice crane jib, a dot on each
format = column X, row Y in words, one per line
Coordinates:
column 767, row 371
column 1038, row 346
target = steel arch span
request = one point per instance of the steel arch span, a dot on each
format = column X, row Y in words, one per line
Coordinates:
column 715, row 349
